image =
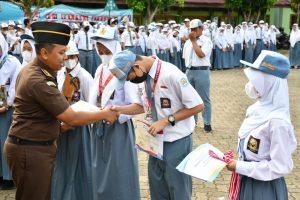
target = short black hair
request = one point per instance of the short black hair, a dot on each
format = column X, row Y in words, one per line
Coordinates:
column 46, row 46
column 26, row 21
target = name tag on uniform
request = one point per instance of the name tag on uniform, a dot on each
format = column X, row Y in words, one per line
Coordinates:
column 165, row 103
column 253, row 144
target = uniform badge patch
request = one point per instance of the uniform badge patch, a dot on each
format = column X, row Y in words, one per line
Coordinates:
column 184, row 82
column 51, row 83
column 165, row 103
column 253, row 144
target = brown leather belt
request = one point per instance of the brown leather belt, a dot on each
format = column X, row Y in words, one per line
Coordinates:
column 19, row 141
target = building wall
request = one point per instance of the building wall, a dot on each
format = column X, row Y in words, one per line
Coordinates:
column 281, row 17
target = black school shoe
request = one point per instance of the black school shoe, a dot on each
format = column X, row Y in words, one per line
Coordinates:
column 207, row 128
column 7, row 185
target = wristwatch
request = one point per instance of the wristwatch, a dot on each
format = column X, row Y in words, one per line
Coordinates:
column 171, row 120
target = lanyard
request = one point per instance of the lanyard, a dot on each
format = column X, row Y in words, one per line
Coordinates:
column 102, row 87
column 148, row 99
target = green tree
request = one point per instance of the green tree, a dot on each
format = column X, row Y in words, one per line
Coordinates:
column 295, row 4
column 26, row 5
column 250, row 8
column 149, row 8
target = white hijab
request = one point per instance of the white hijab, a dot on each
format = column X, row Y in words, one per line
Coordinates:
column 274, row 101
column 33, row 54
column 4, row 47
column 294, row 37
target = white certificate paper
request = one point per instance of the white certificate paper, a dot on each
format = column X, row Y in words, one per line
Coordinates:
column 201, row 165
column 154, row 146
column 84, row 106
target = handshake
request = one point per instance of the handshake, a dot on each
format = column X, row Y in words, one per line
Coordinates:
column 111, row 114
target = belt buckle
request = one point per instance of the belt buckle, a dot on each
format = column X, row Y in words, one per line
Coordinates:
column 18, row 140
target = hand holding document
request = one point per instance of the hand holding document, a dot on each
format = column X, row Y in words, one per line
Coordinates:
column 205, row 163
column 148, row 143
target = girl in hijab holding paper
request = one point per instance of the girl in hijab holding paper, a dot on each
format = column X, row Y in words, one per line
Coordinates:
column 266, row 137
column 72, row 171
column 114, row 158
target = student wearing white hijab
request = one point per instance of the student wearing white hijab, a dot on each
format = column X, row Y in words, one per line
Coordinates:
column 249, row 43
column 228, row 54
column 238, row 46
column 273, row 33
column 295, row 47
column 220, row 48
column 266, row 137
column 71, row 178
column 9, row 70
column 27, row 49
column 114, row 158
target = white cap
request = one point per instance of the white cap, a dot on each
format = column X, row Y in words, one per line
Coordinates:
column 11, row 23
column 142, row 27
column 172, row 22
column 72, row 49
column 121, row 26
column 186, row 20
column 85, row 24
column 165, row 29
column 195, row 23
column 130, row 24
column 104, row 32
column 20, row 26
column 176, row 25
column 261, row 21
column 159, row 24
column 4, row 25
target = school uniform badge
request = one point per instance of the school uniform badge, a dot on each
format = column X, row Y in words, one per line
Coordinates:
column 184, row 82
column 165, row 103
column 253, row 144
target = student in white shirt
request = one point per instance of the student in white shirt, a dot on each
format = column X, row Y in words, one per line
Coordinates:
column 266, row 137
column 172, row 102
column 71, row 178
column 9, row 70
column 196, row 52
column 114, row 157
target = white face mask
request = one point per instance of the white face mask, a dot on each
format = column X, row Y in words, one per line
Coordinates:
column 71, row 63
column 105, row 59
column 251, row 91
column 27, row 56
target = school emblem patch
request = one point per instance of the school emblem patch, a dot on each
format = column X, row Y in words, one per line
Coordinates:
column 165, row 103
column 184, row 82
column 253, row 144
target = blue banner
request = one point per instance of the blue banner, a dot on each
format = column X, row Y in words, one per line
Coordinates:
column 63, row 13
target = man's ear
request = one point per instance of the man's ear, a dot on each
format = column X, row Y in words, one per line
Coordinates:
column 44, row 53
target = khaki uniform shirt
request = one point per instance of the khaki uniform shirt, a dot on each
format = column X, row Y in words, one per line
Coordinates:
column 37, row 103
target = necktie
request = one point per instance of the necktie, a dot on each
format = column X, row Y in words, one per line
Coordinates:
column 68, row 90
column 131, row 42
column 87, row 41
column 149, row 95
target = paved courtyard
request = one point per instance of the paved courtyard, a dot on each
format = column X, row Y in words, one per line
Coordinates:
column 229, row 103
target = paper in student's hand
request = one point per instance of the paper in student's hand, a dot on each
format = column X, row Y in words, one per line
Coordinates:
column 201, row 165
column 84, row 106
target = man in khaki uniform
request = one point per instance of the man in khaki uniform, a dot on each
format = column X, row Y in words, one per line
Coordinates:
column 39, row 110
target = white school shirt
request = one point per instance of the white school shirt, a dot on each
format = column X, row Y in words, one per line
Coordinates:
column 269, row 149
column 206, row 45
column 86, row 80
column 125, row 38
column 80, row 40
column 173, row 87
column 125, row 96
column 8, row 77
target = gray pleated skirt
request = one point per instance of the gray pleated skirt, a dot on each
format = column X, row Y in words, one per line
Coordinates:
column 252, row 189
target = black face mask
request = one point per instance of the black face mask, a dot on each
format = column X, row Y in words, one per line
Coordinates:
column 86, row 29
column 75, row 32
column 140, row 79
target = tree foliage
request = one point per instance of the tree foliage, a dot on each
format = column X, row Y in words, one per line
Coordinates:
column 295, row 4
column 149, row 8
column 250, row 8
column 26, row 5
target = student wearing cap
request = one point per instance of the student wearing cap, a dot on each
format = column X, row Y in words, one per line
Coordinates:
column 295, row 47
column 27, row 49
column 185, row 30
column 260, row 31
column 196, row 52
column 266, row 137
column 9, row 70
column 4, row 29
column 176, row 47
column 129, row 38
column 39, row 107
column 172, row 102
column 143, row 40
column 85, row 46
column 164, row 45
column 114, row 158
column 72, row 177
